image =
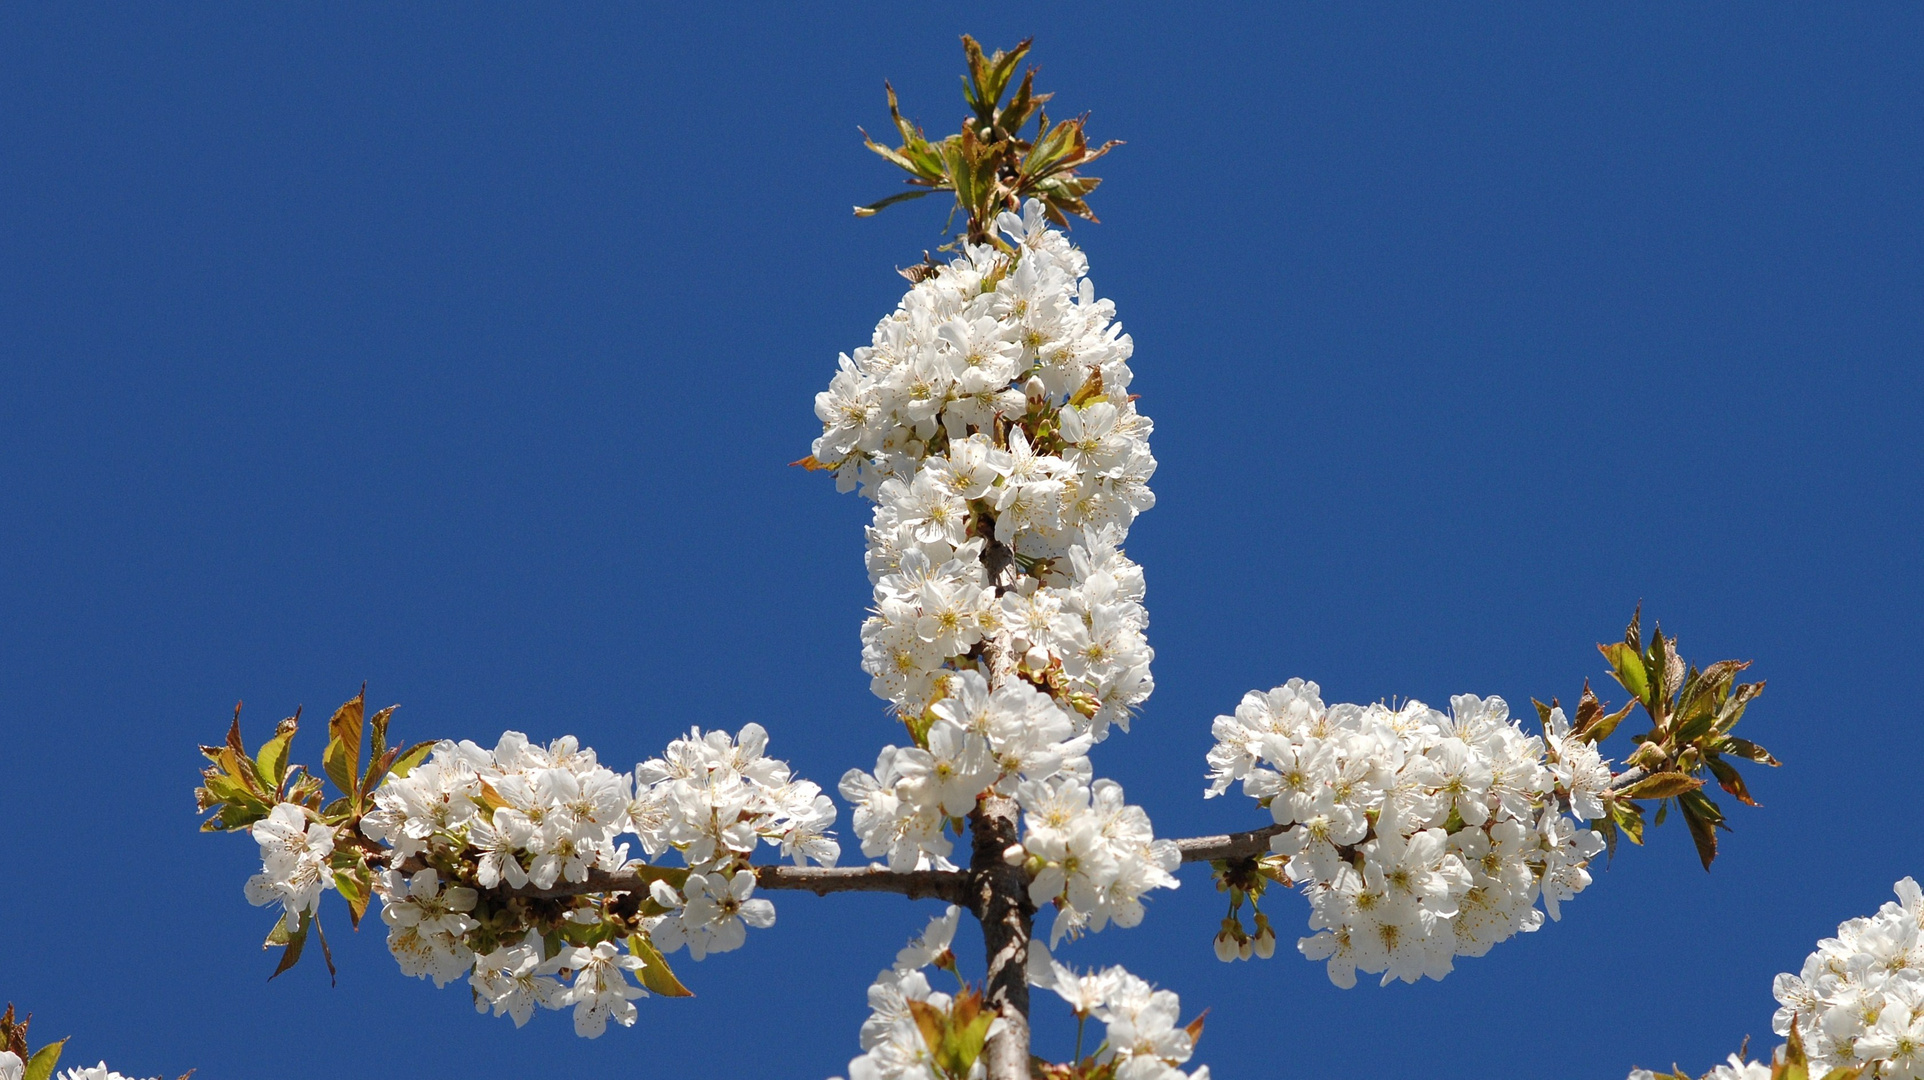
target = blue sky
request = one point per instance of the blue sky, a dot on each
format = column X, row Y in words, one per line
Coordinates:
column 462, row 353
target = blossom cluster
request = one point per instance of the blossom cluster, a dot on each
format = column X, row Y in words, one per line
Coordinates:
column 1416, row 836
column 1143, row 1036
column 990, row 421
column 1859, row 999
column 295, row 856
column 468, row 827
column 893, row 1046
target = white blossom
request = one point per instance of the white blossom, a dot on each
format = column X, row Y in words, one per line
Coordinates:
column 294, row 861
column 1859, row 999
column 1417, row 836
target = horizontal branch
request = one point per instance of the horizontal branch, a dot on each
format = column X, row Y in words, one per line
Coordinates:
column 1242, row 845
column 950, row 885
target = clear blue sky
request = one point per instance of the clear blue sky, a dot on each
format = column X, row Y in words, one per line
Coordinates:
column 463, row 354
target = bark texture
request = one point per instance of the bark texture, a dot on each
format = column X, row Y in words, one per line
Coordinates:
column 999, row 899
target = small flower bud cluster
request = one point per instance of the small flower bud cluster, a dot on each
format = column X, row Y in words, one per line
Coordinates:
column 990, row 421
column 1143, row 1036
column 1859, row 1000
column 893, row 1046
column 1416, row 836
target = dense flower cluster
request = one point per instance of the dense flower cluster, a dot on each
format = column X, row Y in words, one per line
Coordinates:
column 990, row 421
column 1859, row 1000
column 1143, row 1037
column 468, row 826
column 1093, row 852
column 1416, row 836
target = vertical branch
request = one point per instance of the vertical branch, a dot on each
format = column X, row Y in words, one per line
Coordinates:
column 999, row 897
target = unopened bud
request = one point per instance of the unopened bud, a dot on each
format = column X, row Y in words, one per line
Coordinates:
column 1225, row 947
column 1264, row 943
column 1014, row 854
column 1034, row 388
column 1243, row 949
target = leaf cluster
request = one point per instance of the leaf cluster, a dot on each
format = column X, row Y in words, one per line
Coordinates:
column 40, row 1063
column 1691, row 713
column 955, row 1036
column 238, row 790
column 991, row 165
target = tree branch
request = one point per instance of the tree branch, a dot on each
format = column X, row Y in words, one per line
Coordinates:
column 1627, row 777
column 950, row 885
column 1242, row 845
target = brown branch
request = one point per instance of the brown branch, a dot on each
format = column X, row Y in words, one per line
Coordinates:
column 1242, row 845
column 1627, row 777
column 950, row 885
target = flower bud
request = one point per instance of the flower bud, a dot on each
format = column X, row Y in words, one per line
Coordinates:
column 1264, row 943
column 1225, row 947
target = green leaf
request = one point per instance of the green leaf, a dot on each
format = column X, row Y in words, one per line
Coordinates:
column 327, row 954
column 271, row 762
column 412, row 756
column 877, row 207
column 931, row 1023
column 234, row 759
column 41, row 1065
column 377, row 731
column 346, row 730
column 1729, row 779
column 1661, row 785
column 1795, row 1065
column 1629, row 818
column 655, row 974
column 291, row 944
column 1747, row 750
column 1703, row 817
column 1627, row 668
column 356, row 886
column 337, row 760
column 1604, row 725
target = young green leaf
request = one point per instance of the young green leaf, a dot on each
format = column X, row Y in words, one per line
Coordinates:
column 41, row 1065
column 655, row 974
